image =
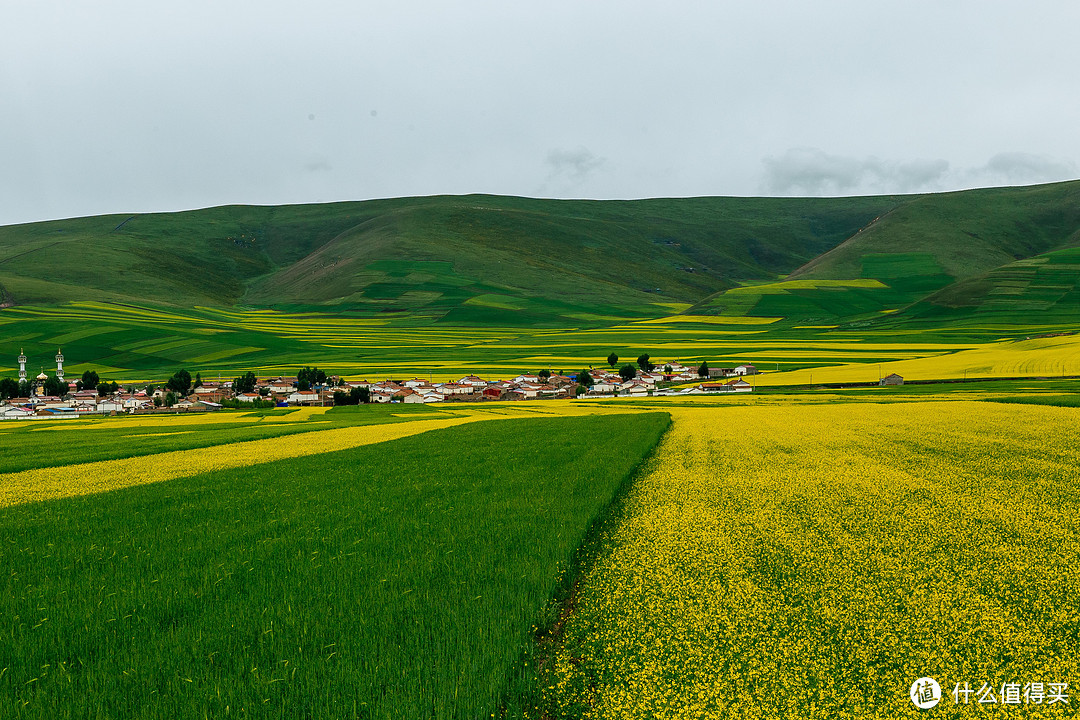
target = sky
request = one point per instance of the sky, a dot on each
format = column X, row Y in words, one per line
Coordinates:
column 124, row 107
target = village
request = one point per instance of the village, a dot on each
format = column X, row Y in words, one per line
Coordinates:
column 57, row 397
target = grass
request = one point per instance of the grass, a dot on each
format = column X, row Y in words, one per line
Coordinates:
column 380, row 582
column 429, row 256
column 27, row 445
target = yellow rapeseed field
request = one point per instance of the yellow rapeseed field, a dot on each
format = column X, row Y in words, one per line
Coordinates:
column 814, row 561
column 1052, row 357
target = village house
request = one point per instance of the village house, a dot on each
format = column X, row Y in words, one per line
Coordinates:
column 306, row 397
column 455, row 389
column 736, row 385
column 605, row 386
column 891, row 379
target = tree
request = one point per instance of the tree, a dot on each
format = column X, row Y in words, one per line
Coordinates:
column 703, row 369
column 644, row 364
column 90, row 379
column 544, row 374
column 8, row 388
column 612, row 359
column 107, row 388
column 170, row 399
column 25, row 388
column 360, row 395
column 668, row 369
column 628, row 372
column 55, row 387
column 198, row 381
column 580, row 390
column 584, row 378
column 180, row 382
column 309, row 376
column 245, row 383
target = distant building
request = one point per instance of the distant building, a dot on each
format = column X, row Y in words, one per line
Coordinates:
column 892, row 379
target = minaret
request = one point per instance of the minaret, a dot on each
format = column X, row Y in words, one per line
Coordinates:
column 59, row 364
column 22, row 365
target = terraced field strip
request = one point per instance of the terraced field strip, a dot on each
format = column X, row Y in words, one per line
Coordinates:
column 94, row 477
column 100, row 476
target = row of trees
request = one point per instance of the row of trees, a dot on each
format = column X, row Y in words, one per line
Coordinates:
column 642, row 361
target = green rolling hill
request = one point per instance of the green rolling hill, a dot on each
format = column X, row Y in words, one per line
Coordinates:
column 955, row 251
column 504, row 261
column 462, row 259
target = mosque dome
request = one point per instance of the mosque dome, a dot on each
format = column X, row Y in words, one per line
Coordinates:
column 43, row 376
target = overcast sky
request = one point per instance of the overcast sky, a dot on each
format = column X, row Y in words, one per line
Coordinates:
column 117, row 106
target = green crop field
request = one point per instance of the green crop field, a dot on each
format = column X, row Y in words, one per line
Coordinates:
column 395, row 580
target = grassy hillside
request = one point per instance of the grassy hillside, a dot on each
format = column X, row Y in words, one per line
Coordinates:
column 503, row 262
column 470, row 259
column 965, row 250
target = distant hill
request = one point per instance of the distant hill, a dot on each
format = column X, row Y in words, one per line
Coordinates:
column 470, row 258
column 952, row 249
column 482, row 259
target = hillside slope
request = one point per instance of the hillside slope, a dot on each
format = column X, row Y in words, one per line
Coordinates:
column 430, row 255
column 953, row 247
column 480, row 259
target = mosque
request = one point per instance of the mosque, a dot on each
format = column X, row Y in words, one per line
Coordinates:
column 39, row 390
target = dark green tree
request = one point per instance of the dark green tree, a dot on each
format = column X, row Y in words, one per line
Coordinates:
column 245, row 383
column 308, row 377
column 644, row 364
column 703, row 369
column 107, row 388
column 361, row 395
column 612, row 359
column 584, row 378
column 90, row 379
column 170, row 399
column 544, row 374
column 55, row 387
column 628, row 372
column 198, row 381
column 180, row 382
column 8, row 388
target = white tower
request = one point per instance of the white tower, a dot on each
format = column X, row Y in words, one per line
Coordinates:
column 59, row 364
column 22, row 365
